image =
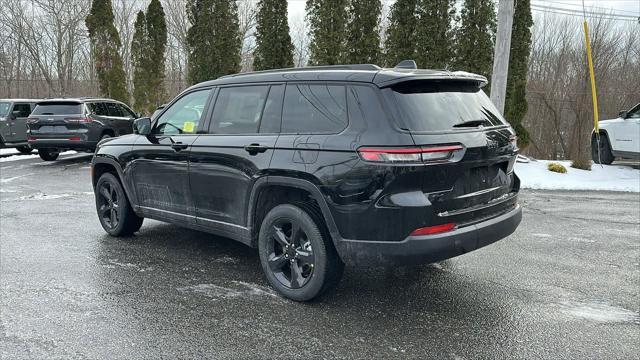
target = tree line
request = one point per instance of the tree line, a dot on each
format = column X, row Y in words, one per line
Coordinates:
column 145, row 51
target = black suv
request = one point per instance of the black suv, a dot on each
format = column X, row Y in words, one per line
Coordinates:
column 13, row 123
column 56, row 125
column 321, row 166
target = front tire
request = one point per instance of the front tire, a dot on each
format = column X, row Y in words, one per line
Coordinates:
column 296, row 254
column 48, row 154
column 114, row 210
column 606, row 156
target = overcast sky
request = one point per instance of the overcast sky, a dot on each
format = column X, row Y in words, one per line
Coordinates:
column 626, row 7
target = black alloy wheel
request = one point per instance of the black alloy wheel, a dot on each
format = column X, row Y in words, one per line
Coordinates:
column 114, row 211
column 108, row 205
column 290, row 255
column 297, row 253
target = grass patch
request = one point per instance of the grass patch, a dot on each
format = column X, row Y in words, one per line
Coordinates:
column 557, row 167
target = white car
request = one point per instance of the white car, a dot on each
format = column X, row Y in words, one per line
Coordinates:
column 619, row 138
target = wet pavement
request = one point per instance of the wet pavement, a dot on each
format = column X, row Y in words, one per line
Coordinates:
column 565, row 285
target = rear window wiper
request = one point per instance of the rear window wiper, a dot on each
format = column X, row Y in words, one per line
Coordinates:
column 470, row 123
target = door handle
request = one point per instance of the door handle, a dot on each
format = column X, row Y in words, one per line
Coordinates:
column 177, row 146
column 254, row 149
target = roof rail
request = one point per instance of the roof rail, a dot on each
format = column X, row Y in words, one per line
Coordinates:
column 370, row 67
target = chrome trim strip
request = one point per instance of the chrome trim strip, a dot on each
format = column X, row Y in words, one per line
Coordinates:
column 194, row 217
column 478, row 192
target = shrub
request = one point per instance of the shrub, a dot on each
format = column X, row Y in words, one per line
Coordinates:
column 581, row 164
column 557, row 167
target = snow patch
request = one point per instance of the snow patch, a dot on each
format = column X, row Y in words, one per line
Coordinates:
column 240, row 290
column 540, row 235
column 600, row 312
column 6, row 180
column 43, row 196
column 535, row 175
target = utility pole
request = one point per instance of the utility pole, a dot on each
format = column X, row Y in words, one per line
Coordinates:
column 501, row 54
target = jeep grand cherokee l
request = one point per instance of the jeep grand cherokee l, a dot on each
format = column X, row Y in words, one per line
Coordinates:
column 56, row 125
column 317, row 167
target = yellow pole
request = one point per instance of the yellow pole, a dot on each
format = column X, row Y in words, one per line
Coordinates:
column 593, row 80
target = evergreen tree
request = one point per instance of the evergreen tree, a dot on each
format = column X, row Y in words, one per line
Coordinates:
column 327, row 22
column 434, row 34
column 157, row 42
column 213, row 39
column 274, row 48
column 400, row 43
column 516, row 103
column 474, row 40
column 105, row 43
column 139, row 51
column 363, row 38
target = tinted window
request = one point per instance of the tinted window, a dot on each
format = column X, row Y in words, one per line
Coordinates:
column 272, row 114
column 238, row 109
column 58, row 108
column 126, row 112
column 24, row 109
column 314, row 109
column 634, row 113
column 434, row 106
column 184, row 115
column 98, row 109
column 114, row 110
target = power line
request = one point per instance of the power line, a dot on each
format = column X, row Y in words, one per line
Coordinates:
column 577, row 13
column 603, row 9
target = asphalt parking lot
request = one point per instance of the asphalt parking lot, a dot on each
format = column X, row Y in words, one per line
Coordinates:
column 565, row 285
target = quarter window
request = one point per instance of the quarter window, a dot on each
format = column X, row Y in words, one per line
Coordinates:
column 239, row 109
column 314, row 109
column 184, row 115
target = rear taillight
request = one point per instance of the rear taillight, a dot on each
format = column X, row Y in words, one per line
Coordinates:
column 409, row 154
column 77, row 120
column 77, row 138
column 32, row 120
column 32, row 138
column 436, row 229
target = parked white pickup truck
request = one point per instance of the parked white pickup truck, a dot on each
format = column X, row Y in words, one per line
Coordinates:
column 619, row 138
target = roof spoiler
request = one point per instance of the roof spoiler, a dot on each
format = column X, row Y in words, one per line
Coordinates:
column 406, row 64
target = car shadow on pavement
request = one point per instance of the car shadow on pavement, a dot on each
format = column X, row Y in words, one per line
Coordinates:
column 169, row 257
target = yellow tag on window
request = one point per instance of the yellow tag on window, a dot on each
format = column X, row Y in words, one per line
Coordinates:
column 189, row 126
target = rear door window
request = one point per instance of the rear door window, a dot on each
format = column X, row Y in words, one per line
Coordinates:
column 310, row 109
column 58, row 108
column 442, row 105
column 98, row 109
column 238, row 109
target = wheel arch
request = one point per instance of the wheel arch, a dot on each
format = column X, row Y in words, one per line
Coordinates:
column 294, row 188
column 103, row 164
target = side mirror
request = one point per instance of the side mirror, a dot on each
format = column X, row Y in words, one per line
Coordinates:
column 138, row 115
column 622, row 114
column 142, row 126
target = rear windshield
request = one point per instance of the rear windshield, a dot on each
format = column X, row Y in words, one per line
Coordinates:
column 437, row 106
column 4, row 108
column 57, row 108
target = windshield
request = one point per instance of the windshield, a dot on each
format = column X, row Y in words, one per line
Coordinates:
column 4, row 108
column 57, row 108
column 437, row 106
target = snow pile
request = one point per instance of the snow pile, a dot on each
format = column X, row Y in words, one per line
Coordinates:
column 535, row 175
column 12, row 154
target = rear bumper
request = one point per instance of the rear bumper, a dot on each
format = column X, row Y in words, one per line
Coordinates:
column 62, row 143
column 430, row 248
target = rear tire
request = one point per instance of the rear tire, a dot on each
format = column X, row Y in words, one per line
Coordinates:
column 297, row 254
column 114, row 210
column 606, row 157
column 48, row 154
column 24, row 149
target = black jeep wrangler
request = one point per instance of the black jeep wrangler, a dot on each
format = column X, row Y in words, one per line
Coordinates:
column 320, row 166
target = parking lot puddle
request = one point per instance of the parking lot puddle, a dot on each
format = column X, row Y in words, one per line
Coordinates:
column 600, row 312
column 240, row 289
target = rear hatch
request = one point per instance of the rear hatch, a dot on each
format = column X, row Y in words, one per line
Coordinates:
column 476, row 181
column 58, row 117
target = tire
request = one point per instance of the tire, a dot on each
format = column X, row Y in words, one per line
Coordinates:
column 606, row 157
column 303, row 266
column 114, row 210
column 48, row 154
column 24, row 149
column 104, row 136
